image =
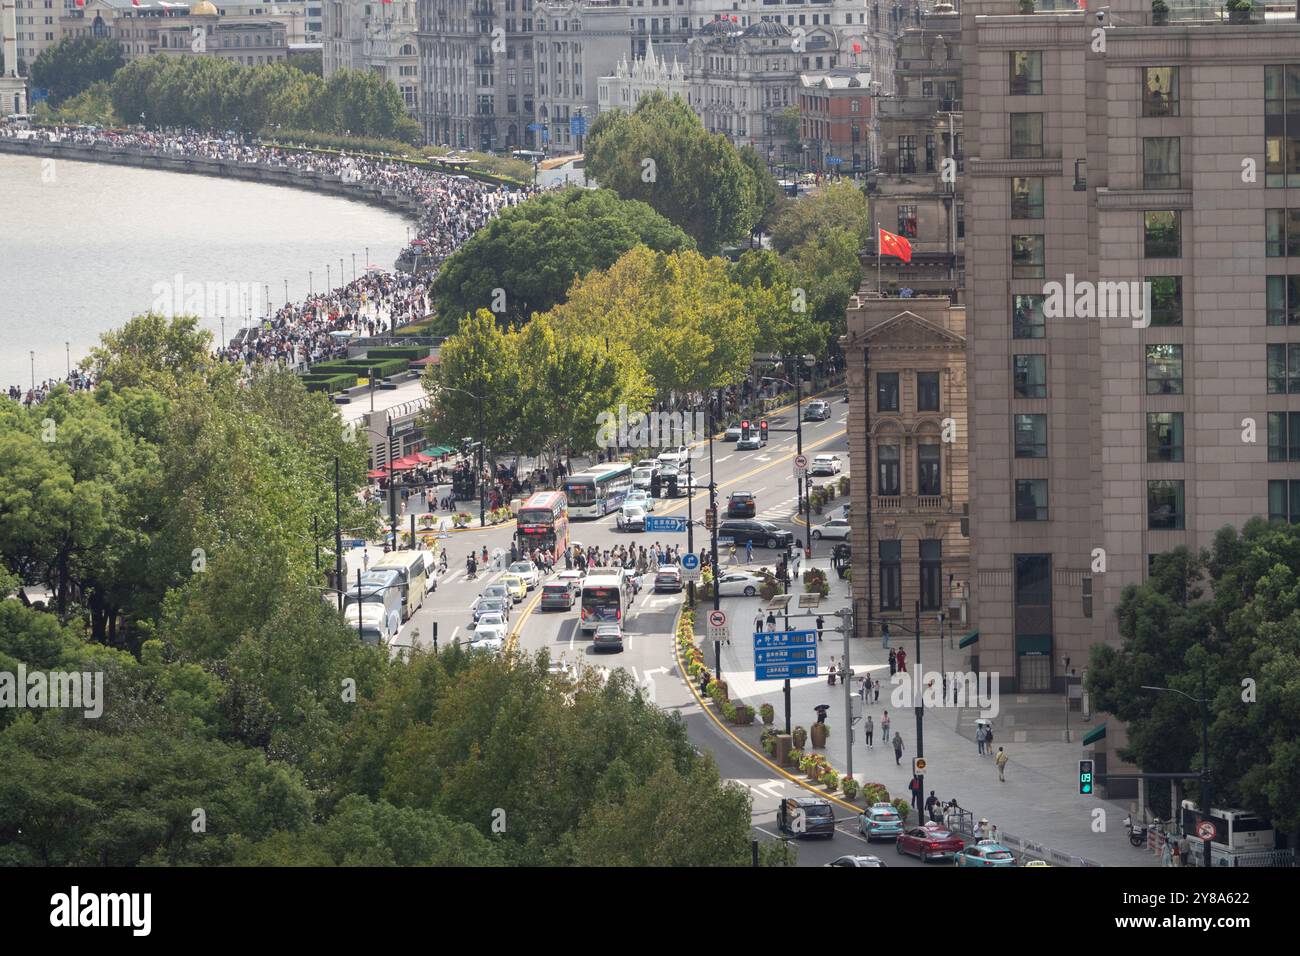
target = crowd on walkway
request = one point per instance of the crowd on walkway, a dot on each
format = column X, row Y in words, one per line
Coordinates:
column 453, row 208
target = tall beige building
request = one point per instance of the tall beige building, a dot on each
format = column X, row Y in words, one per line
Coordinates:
column 1125, row 152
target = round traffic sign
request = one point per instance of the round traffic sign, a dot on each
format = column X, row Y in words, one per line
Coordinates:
column 1206, row 830
column 717, row 618
column 801, row 461
column 690, row 562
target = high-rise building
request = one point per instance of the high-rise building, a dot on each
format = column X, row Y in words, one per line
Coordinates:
column 1111, row 158
column 376, row 37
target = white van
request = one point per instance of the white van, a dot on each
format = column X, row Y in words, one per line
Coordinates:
column 641, row 477
column 414, row 579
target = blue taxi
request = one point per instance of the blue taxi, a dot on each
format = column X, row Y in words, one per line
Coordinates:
column 880, row 821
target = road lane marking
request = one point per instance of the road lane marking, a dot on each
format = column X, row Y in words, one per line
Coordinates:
column 722, row 459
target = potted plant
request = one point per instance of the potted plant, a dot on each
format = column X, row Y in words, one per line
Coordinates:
column 1159, row 12
column 1239, row 11
column 844, row 484
column 1026, row 6
column 768, row 713
column 831, row 779
column 810, row 766
column 850, row 788
column 904, row 808
column 796, row 758
column 800, row 737
column 875, row 793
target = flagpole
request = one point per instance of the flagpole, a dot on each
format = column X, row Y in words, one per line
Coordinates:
column 879, row 290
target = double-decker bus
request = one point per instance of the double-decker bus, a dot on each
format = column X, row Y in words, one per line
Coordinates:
column 542, row 522
column 603, row 599
column 598, row 490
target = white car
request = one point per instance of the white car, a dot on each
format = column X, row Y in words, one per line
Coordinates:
column 376, row 625
column 494, row 644
column 490, row 627
column 825, row 465
column 641, row 498
column 631, row 518
column 648, row 463
column 739, row 584
column 572, row 577
column 674, row 456
column 835, row 528
column 527, row 571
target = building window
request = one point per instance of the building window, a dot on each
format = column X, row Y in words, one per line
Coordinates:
column 1031, row 499
column 907, row 154
column 961, row 220
column 1282, row 125
column 887, row 460
column 1160, row 91
column 1284, row 436
column 1031, row 436
column 1161, row 168
column 1027, row 257
column 891, row 575
column 1027, row 320
column 1165, row 436
column 1027, row 135
column 1165, row 510
column 1030, row 374
column 1162, row 234
column 1033, row 580
column 1284, row 369
column 1027, row 197
column 1026, row 67
column 886, row 391
column 1281, row 232
column 927, row 391
column 929, row 470
column 1164, row 369
column 907, row 221
column 1166, row 300
column 1284, row 501
column 1282, row 300
column 931, row 574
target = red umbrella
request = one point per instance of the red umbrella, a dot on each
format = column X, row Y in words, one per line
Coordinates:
column 422, row 458
column 380, row 472
column 404, row 464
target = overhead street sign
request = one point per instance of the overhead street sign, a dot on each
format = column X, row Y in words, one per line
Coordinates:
column 653, row 523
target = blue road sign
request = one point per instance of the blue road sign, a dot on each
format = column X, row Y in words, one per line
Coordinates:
column 690, row 562
column 785, row 639
column 578, row 125
column 653, row 523
column 784, row 671
column 785, row 655
column 833, row 160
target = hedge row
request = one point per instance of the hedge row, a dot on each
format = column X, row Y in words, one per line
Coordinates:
column 329, row 383
column 408, row 352
column 382, row 369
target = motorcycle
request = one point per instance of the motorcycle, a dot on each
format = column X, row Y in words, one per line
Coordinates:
column 1137, row 835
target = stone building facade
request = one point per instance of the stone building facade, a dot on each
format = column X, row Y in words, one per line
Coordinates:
column 909, row 545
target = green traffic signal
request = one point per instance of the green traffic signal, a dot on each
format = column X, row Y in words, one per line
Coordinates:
column 1085, row 777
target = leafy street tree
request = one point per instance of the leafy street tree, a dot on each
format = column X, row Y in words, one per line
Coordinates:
column 829, row 271
column 1228, row 616
column 838, row 205
column 309, row 62
column 785, row 317
column 92, row 106
column 74, row 64
column 535, row 250
column 661, row 154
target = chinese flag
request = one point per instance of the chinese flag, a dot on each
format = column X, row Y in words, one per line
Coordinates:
column 135, row 3
column 892, row 245
column 81, row 3
column 857, row 48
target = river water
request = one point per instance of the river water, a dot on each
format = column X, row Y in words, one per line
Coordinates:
column 85, row 246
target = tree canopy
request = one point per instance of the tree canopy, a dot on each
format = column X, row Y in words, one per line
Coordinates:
column 661, row 154
column 74, row 64
column 1223, row 624
column 534, row 251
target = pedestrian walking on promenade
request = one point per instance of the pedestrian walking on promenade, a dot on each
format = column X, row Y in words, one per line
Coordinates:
column 915, row 789
column 830, row 676
column 1001, row 761
column 771, row 620
column 901, row 658
column 898, row 748
column 893, row 663
column 869, row 730
column 821, row 623
column 988, row 742
column 758, row 622
column 979, row 739
column 884, row 726
column 875, row 692
column 749, row 551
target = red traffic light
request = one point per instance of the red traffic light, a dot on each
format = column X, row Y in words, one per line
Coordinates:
column 744, row 424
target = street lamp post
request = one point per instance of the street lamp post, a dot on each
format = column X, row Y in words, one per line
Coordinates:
column 67, row 351
column 920, row 700
column 354, row 268
column 33, row 357
column 1207, row 793
column 713, row 506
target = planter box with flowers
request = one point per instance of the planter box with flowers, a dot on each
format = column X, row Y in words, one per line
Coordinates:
column 742, row 715
column 844, row 484
column 850, row 788
column 875, row 793
column 1239, row 11
column 819, row 734
column 831, row 780
column 461, row 519
column 800, row 737
column 768, row 713
column 796, row 757
column 815, row 582
column 904, row 808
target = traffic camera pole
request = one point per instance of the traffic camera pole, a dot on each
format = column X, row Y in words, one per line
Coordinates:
column 713, row 504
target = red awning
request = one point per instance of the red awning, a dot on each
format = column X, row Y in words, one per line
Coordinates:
column 404, row 464
column 422, row 458
column 381, row 472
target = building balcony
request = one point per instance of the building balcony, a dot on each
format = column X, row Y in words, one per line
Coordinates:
column 482, row 9
column 911, row 504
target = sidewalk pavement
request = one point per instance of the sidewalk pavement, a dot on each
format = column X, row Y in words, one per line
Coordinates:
column 1039, row 801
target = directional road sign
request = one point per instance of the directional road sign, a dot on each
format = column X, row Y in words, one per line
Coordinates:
column 719, row 629
column 690, row 567
column 784, row 655
column 785, row 638
column 779, row 655
column 784, row 671
column 653, row 523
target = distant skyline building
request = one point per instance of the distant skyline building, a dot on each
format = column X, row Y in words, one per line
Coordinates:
column 629, row 82
column 377, row 38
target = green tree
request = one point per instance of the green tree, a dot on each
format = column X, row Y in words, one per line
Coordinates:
column 787, row 324
column 662, row 155
column 534, row 251
column 475, row 381
column 828, row 271
column 839, row 205
column 309, row 62
column 92, row 106
column 74, row 64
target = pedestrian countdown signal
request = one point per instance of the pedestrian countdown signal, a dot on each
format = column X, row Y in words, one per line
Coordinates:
column 1085, row 777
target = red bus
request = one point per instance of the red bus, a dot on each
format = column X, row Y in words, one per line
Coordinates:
column 543, row 522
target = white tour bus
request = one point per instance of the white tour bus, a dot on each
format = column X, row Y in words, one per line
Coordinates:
column 603, row 600
column 598, row 490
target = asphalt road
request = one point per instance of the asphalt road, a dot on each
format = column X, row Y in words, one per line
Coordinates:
column 648, row 649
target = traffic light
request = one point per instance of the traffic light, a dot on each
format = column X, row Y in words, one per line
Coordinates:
column 762, row 430
column 744, row 430
column 1085, row 777
column 710, row 518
